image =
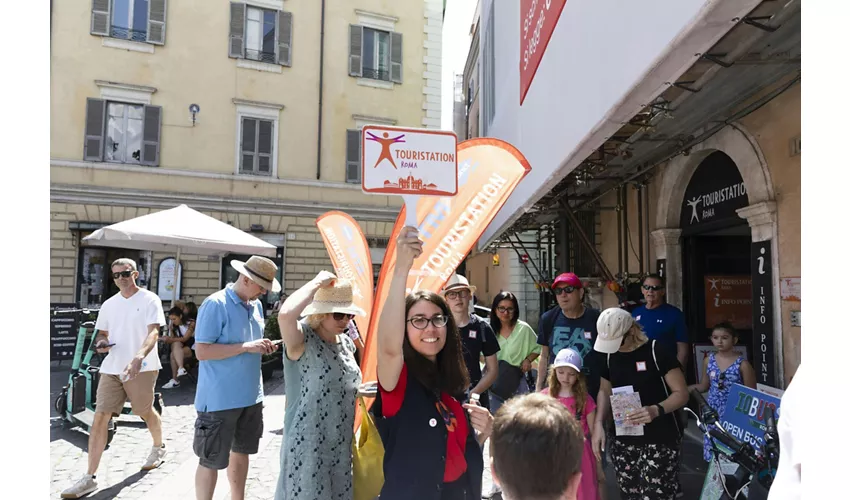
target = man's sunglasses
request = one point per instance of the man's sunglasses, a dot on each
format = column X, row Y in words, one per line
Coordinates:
column 566, row 289
column 464, row 294
column 343, row 316
column 654, row 288
column 421, row 322
column 122, row 274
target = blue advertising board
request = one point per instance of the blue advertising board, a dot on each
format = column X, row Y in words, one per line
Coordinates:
column 744, row 415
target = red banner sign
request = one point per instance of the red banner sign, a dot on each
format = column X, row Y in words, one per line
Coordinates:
column 537, row 21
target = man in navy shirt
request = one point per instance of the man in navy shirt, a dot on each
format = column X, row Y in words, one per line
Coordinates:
column 572, row 325
column 661, row 321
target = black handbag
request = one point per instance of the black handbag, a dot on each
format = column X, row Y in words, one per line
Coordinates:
column 507, row 381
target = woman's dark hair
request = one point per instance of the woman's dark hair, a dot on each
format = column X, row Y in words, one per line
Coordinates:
column 728, row 327
column 449, row 373
column 495, row 322
column 176, row 311
column 191, row 310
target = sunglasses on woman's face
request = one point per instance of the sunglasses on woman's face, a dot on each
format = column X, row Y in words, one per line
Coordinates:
column 654, row 288
column 421, row 322
column 566, row 289
column 343, row 316
column 122, row 274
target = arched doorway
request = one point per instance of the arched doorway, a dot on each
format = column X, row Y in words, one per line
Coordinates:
column 717, row 281
column 677, row 224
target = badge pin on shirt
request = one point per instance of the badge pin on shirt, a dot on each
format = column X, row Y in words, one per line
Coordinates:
column 587, row 335
column 472, row 334
column 641, row 366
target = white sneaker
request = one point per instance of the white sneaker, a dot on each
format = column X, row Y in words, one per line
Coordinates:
column 81, row 488
column 155, row 458
column 182, row 372
column 171, row 384
column 494, row 490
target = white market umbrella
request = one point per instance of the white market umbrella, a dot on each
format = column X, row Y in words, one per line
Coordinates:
column 180, row 229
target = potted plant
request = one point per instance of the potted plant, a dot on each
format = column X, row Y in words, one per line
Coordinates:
column 273, row 361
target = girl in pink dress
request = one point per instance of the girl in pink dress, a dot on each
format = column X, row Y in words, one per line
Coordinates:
column 567, row 385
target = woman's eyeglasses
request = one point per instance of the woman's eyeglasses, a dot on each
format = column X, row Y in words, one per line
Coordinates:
column 654, row 288
column 343, row 316
column 421, row 322
column 122, row 274
column 566, row 289
column 464, row 294
column 504, row 310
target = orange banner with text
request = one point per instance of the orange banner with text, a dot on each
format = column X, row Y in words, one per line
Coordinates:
column 488, row 172
column 352, row 261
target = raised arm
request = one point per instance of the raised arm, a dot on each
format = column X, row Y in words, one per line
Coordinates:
column 392, row 323
column 290, row 311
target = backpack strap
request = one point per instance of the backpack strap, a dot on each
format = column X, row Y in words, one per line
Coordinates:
column 664, row 383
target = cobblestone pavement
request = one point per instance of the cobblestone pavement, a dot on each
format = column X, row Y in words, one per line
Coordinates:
column 119, row 475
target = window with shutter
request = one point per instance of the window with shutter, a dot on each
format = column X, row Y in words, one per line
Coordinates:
column 376, row 54
column 355, row 50
column 352, row 156
column 284, row 36
column 396, row 54
column 156, row 21
column 100, row 17
column 151, row 125
column 237, row 30
column 93, row 144
column 257, row 146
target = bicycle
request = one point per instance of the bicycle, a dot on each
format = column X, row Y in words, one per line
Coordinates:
column 752, row 464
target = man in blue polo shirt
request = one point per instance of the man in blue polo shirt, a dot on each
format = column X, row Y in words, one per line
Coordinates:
column 229, row 344
column 661, row 321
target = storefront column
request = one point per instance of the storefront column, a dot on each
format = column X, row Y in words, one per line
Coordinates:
column 763, row 224
column 668, row 247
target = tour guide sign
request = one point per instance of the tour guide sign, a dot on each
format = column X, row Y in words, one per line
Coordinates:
column 410, row 162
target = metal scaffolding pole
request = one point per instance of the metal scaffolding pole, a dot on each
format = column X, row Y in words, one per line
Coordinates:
column 584, row 239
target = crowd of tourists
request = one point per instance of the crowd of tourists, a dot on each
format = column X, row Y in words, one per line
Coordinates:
column 435, row 407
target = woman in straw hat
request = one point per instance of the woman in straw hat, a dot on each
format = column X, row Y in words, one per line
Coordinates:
column 429, row 437
column 322, row 379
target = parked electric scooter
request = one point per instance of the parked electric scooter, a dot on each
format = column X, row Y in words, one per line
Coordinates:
column 76, row 403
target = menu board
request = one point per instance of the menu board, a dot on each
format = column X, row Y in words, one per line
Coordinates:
column 63, row 334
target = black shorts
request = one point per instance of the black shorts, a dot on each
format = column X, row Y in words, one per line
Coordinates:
column 217, row 433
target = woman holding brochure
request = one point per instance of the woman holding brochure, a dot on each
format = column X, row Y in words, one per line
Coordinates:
column 645, row 450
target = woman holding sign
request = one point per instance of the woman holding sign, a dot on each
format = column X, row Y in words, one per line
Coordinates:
column 432, row 442
column 645, row 451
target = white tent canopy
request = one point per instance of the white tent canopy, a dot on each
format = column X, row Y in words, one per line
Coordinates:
column 180, row 228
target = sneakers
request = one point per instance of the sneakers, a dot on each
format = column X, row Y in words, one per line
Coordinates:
column 171, row 384
column 494, row 491
column 81, row 488
column 182, row 372
column 155, row 458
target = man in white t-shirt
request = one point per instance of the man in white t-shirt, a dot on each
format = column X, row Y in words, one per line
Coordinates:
column 128, row 327
column 787, row 483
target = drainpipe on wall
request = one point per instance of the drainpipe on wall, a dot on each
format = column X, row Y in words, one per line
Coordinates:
column 321, row 92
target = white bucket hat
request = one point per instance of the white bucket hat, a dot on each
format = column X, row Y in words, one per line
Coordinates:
column 338, row 298
column 613, row 324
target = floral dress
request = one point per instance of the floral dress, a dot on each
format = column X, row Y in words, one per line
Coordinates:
column 718, row 392
column 321, row 387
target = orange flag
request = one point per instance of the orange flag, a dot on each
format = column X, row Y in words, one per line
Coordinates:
column 488, row 171
column 352, row 261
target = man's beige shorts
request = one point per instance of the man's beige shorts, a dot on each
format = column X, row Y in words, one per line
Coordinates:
column 112, row 393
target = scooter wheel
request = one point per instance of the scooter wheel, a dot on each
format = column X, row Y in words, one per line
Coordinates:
column 61, row 404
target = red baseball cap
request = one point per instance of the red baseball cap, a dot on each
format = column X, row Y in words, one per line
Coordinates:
column 569, row 279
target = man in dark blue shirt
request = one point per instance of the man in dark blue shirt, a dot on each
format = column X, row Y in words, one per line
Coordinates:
column 572, row 325
column 661, row 321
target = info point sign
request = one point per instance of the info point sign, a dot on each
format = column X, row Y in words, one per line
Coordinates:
column 408, row 161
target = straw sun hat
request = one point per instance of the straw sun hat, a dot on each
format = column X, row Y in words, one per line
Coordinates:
column 338, row 298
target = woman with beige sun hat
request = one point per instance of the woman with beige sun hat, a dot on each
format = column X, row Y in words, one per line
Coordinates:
column 322, row 379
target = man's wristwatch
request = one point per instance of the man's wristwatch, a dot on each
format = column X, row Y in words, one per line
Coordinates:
column 661, row 411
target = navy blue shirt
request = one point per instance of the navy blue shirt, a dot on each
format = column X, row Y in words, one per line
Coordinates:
column 578, row 334
column 664, row 324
